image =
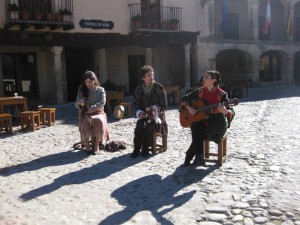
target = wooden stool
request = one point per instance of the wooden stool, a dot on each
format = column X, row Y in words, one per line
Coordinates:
column 127, row 108
column 47, row 116
column 31, row 118
column 6, row 122
column 222, row 148
column 159, row 147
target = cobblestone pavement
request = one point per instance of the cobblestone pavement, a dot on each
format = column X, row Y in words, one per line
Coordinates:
column 44, row 181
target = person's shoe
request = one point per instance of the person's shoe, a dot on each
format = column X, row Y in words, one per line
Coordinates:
column 186, row 164
column 198, row 161
column 97, row 152
column 145, row 153
column 134, row 154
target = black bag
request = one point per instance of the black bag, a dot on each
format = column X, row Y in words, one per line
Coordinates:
column 114, row 146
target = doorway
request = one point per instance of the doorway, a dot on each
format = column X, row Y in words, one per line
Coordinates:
column 135, row 62
column 297, row 69
column 78, row 61
column 19, row 74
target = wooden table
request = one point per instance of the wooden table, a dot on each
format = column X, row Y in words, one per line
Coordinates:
column 174, row 90
column 13, row 101
column 113, row 95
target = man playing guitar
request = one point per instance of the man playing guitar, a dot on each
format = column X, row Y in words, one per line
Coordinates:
column 213, row 127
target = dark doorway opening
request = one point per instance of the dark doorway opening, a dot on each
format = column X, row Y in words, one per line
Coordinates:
column 297, row 69
column 78, row 60
column 19, row 74
column 135, row 62
column 270, row 67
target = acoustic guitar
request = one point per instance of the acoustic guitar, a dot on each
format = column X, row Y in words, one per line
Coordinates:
column 203, row 109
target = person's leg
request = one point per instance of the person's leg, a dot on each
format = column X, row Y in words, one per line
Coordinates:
column 96, row 145
column 138, row 137
column 197, row 142
column 148, row 138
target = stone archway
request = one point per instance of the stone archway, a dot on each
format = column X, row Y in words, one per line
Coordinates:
column 296, row 71
column 271, row 65
column 234, row 65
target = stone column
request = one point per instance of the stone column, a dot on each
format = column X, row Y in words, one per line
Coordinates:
column 187, row 66
column 102, row 66
column 58, row 73
column 149, row 56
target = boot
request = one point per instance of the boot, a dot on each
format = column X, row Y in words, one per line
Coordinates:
column 198, row 161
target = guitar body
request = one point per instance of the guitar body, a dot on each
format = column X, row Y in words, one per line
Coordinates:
column 186, row 118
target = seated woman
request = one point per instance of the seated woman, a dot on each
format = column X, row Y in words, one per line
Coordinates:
column 91, row 100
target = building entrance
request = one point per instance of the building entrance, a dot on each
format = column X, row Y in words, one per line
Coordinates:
column 78, row 60
column 19, row 74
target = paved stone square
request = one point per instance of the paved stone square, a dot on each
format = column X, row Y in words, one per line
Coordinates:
column 44, row 181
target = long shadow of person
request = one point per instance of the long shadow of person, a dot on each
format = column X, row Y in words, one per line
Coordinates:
column 95, row 172
column 151, row 193
column 58, row 159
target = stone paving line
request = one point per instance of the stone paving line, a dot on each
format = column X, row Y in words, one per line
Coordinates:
column 44, row 181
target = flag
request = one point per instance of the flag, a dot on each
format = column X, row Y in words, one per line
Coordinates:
column 289, row 30
column 267, row 18
column 224, row 16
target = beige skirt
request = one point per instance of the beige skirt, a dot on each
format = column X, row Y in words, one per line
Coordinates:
column 95, row 126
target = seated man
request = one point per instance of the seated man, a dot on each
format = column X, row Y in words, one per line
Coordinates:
column 150, row 103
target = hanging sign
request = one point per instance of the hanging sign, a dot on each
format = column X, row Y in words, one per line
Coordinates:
column 96, row 24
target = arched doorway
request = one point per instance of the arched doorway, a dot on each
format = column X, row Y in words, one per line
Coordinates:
column 297, row 68
column 234, row 65
column 270, row 66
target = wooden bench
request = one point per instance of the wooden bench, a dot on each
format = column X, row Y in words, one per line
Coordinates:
column 220, row 156
column 6, row 122
column 47, row 116
column 159, row 146
column 30, row 119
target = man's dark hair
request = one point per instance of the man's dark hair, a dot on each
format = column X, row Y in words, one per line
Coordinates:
column 145, row 69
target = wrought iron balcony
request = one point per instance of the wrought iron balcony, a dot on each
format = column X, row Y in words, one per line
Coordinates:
column 155, row 18
column 243, row 31
column 37, row 13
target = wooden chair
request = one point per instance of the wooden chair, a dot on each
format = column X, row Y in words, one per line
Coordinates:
column 81, row 143
column 6, row 122
column 159, row 145
column 47, row 116
column 220, row 155
column 30, row 119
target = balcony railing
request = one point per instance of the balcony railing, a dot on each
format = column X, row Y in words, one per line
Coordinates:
column 52, row 13
column 242, row 31
column 276, row 32
column 147, row 17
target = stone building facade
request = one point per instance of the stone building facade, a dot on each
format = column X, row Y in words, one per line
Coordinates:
column 44, row 57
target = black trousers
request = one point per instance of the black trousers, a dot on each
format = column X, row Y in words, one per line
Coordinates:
column 213, row 128
column 143, row 135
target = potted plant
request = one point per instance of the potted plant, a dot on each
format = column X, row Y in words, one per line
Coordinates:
column 59, row 15
column 50, row 16
column 38, row 16
column 67, row 15
column 137, row 21
column 173, row 24
column 25, row 14
column 14, row 11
